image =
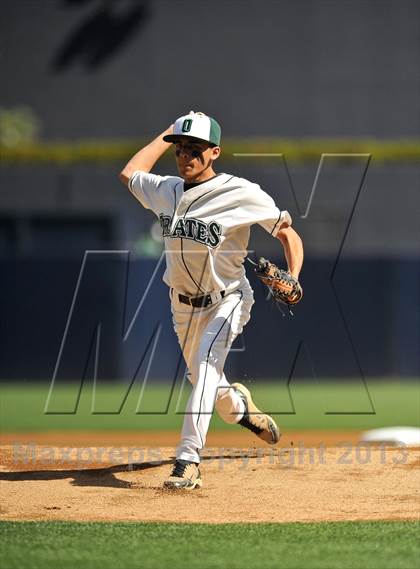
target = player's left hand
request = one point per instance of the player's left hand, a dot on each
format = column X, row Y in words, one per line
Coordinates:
column 283, row 286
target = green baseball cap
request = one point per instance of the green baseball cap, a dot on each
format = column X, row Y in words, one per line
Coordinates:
column 198, row 126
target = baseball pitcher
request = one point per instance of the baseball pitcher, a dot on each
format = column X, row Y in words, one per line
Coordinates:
column 205, row 219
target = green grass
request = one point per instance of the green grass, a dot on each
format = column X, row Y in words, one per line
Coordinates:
column 339, row 545
column 308, row 406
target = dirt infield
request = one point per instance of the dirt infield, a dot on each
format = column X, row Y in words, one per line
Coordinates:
column 310, row 476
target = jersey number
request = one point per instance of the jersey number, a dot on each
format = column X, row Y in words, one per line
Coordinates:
column 186, row 125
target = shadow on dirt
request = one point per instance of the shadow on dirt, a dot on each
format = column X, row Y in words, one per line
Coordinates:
column 105, row 476
column 84, row 476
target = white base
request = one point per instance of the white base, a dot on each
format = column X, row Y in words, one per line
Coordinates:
column 408, row 436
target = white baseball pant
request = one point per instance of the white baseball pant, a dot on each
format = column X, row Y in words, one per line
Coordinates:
column 205, row 336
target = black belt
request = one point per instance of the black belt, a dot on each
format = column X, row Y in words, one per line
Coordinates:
column 198, row 301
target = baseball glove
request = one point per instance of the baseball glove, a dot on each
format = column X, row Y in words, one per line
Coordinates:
column 283, row 286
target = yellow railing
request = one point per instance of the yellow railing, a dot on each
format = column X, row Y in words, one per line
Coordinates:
column 294, row 150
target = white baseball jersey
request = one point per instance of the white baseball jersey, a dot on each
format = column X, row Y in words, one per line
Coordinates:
column 206, row 228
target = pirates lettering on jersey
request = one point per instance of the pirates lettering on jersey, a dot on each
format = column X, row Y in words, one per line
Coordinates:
column 205, row 233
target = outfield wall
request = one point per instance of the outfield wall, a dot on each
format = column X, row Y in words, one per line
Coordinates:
column 359, row 323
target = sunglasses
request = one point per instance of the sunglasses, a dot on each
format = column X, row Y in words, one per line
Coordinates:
column 193, row 152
